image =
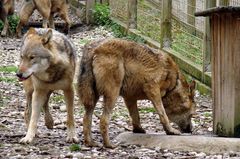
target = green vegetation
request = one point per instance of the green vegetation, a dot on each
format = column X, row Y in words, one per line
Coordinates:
column 75, row 147
column 102, row 17
column 149, row 20
column 188, row 45
column 207, row 114
column 57, row 98
column 8, row 79
column 8, row 69
column 101, row 14
column 147, row 110
column 13, row 21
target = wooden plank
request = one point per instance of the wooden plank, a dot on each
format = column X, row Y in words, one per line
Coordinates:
column 207, row 39
column 89, row 11
column 166, row 36
column 226, row 74
column 132, row 14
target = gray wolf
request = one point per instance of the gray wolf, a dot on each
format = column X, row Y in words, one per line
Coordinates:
column 47, row 8
column 6, row 9
column 114, row 67
column 47, row 63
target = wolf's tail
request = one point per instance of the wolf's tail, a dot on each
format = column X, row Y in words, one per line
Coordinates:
column 86, row 86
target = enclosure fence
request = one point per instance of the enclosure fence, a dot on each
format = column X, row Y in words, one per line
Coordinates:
column 190, row 35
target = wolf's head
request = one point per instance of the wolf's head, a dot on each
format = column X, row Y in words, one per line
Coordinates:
column 180, row 105
column 34, row 55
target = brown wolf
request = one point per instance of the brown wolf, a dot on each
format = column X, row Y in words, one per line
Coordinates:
column 47, row 64
column 46, row 8
column 6, row 8
column 118, row 67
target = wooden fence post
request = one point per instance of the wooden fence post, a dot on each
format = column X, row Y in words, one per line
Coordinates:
column 191, row 8
column 89, row 11
column 132, row 14
column 207, row 39
column 166, row 34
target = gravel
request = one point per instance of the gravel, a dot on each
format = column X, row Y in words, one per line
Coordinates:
column 51, row 143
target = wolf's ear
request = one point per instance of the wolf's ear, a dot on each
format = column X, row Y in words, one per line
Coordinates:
column 47, row 37
column 31, row 31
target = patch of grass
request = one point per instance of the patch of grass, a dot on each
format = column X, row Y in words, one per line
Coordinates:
column 101, row 14
column 207, row 114
column 75, row 147
column 8, row 79
column 84, row 41
column 58, row 98
column 8, row 69
column 147, row 110
column 13, row 21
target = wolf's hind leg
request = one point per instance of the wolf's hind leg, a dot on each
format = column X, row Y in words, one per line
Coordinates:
column 153, row 94
column 24, row 14
column 87, row 124
column 47, row 115
column 71, row 132
column 5, row 28
column 133, row 111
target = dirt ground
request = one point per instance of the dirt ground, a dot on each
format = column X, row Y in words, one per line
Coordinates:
column 51, row 143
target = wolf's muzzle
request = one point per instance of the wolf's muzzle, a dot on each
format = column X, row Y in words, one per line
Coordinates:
column 20, row 76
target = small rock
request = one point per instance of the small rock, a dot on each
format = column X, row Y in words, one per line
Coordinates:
column 63, row 108
column 202, row 154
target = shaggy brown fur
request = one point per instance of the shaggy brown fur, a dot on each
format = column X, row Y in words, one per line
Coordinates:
column 6, row 8
column 46, row 8
column 118, row 67
column 47, row 64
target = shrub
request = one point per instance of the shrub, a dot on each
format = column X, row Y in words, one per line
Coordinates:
column 13, row 21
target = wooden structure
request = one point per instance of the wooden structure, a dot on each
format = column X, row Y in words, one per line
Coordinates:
column 225, row 31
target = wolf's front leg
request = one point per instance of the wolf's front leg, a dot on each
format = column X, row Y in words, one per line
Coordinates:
column 71, row 132
column 38, row 99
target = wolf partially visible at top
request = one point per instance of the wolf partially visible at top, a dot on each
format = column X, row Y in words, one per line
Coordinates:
column 47, row 8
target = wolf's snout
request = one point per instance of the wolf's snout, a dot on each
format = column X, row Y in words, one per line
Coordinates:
column 188, row 129
column 19, row 74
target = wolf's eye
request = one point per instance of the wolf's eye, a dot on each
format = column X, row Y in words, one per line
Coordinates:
column 31, row 57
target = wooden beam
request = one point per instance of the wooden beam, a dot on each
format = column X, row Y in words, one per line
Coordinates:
column 89, row 11
column 132, row 14
column 207, row 40
column 166, row 33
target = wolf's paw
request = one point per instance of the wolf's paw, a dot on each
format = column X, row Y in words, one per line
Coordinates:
column 92, row 144
column 49, row 122
column 173, row 131
column 139, row 130
column 26, row 140
column 111, row 146
column 73, row 139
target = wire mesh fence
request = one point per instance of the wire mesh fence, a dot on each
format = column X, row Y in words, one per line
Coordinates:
column 187, row 30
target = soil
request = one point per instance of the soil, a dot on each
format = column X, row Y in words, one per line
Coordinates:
column 51, row 143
